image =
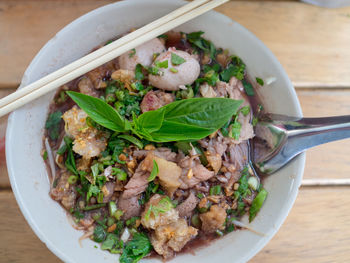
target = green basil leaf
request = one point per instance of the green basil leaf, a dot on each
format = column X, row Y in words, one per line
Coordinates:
column 176, row 59
column 154, row 172
column 151, row 120
column 257, row 204
column 132, row 139
column 193, row 119
column 100, row 112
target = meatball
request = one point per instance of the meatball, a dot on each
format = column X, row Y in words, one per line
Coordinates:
column 174, row 76
column 142, row 54
column 155, row 100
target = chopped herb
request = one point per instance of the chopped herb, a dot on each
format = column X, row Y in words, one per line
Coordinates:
column 70, row 161
column 200, row 195
column 138, row 72
column 215, row 190
column 100, row 197
column 95, row 171
column 78, row 215
column 93, row 190
column 118, row 214
column 245, row 110
column 121, row 174
column 53, row 123
column 162, row 64
column 195, row 221
column 108, row 42
column 176, row 59
column 235, row 130
column 93, row 207
column 154, row 172
column 132, row 53
column 99, row 234
column 260, row 81
column 174, row 70
column 255, row 121
column 112, row 241
column 135, row 249
column 248, row 88
column 62, row 150
column 45, row 156
column 235, row 69
column 72, row 179
column 112, row 208
column 163, row 206
column 257, row 204
column 219, row 233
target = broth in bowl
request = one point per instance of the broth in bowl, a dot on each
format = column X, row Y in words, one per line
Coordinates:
column 149, row 152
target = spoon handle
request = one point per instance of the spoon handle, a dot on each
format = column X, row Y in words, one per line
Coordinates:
column 310, row 132
column 290, row 136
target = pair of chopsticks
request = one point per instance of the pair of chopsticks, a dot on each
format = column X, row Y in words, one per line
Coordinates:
column 105, row 54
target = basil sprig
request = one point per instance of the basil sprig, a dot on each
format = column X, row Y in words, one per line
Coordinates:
column 190, row 119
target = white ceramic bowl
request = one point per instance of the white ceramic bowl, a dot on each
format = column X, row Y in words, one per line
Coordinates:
column 26, row 168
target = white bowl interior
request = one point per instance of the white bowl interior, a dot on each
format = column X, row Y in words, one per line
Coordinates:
column 27, row 170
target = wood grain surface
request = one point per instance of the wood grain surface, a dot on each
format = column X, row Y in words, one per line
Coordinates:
column 312, row 43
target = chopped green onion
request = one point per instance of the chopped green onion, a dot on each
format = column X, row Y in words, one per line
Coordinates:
column 118, row 214
column 112, row 208
column 215, row 190
column 219, row 233
column 72, row 179
column 93, row 207
column 257, row 204
column 100, row 197
column 154, row 172
column 253, row 183
column 110, row 221
column 200, row 195
column 174, row 70
column 45, row 156
column 195, row 221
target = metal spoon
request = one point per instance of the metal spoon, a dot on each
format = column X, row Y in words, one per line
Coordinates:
column 280, row 138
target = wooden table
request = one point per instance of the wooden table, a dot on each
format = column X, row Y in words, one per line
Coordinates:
column 313, row 45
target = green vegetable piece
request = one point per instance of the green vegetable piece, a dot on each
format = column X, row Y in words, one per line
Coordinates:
column 259, row 81
column 248, row 88
column 118, row 214
column 110, row 241
column 174, row 70
column 200, row 195
column 257, row 204
column 99, row 234
column 100, row 197
column 93, row 207
column 245, row 110
column 45, row 156
column 163, row 206
column 112, row 208
column 219, row 233
column 132, row 53
column 162, row 64
column 154, row 172
column 137, row 248
column 176, row 59
column 233, row 70
column 195, row 221
column 95, row 171
column 138, row 72
column 93, row 190
column 62, row 150
column 70, row 161
column 110, row 221
column 100, row 112
column 72, row 179
column 121, row 174
column 132, row 139
column 235, row 130
column 53, row 123
column 215, row 190
column 192, row 119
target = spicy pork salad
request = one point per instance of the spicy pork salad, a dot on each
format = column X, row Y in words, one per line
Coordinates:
column 149, row 152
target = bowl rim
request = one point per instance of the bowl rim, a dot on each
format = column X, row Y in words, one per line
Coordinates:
column 36, row 59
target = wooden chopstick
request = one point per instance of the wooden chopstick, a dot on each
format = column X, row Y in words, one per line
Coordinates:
column 105, row 54
column 102, row 51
